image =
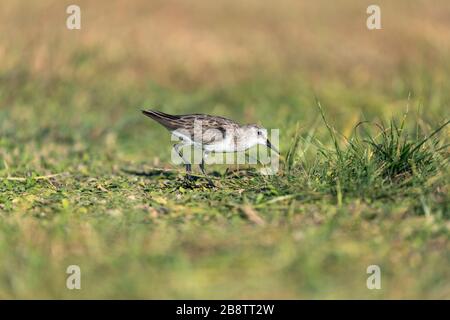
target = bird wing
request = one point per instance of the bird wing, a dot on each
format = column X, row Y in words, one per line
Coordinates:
column 170, row 122
column 201, row 128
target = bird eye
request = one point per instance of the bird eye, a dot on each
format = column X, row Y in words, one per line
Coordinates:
column 259, row 133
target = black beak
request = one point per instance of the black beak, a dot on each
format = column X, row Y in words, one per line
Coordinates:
column 269, row 145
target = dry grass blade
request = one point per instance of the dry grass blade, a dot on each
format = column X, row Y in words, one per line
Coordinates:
column 252, row 215
column 50, row 176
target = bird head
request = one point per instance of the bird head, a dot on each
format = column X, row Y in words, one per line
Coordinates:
column 256, row 134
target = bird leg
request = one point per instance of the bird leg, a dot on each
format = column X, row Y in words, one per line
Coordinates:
column 202, row 169
column 186, row 163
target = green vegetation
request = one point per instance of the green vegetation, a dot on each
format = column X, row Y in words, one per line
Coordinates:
column 85, row 179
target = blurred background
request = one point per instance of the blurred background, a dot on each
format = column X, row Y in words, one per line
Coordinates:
column 188, row 45
column 321, row 47
column 235, row 58
column 70, row 101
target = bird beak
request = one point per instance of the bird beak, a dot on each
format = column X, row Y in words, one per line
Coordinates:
column 269, row 145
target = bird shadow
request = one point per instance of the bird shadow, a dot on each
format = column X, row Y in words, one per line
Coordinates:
column 190, row 181
column 152, row 173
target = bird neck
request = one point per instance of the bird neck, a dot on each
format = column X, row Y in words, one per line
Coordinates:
column 244, row 138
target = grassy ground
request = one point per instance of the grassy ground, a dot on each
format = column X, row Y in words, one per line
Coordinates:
column 364, row 176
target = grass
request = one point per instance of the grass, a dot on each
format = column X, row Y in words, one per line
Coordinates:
column 85, row 179
column 379, row 197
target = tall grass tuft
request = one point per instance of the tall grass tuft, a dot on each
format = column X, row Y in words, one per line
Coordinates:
column 376, row 161
column 399, row 156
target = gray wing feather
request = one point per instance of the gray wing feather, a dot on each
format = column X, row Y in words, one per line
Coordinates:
column 201, row 128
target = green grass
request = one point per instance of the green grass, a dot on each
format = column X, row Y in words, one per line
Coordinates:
column 79, row 186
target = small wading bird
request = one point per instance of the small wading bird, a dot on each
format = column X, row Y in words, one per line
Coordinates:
column 210, row 134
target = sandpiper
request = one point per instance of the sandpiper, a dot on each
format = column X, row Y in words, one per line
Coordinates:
column 210, row 134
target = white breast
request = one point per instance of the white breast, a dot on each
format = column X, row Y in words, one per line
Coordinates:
column 225, row 145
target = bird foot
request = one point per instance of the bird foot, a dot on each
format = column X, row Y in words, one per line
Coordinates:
column 190, row 179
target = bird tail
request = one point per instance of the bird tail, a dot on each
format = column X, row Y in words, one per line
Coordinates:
column 167, row 120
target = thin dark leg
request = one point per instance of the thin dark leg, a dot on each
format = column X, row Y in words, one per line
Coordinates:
column 188, row 165
column 202, row 168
